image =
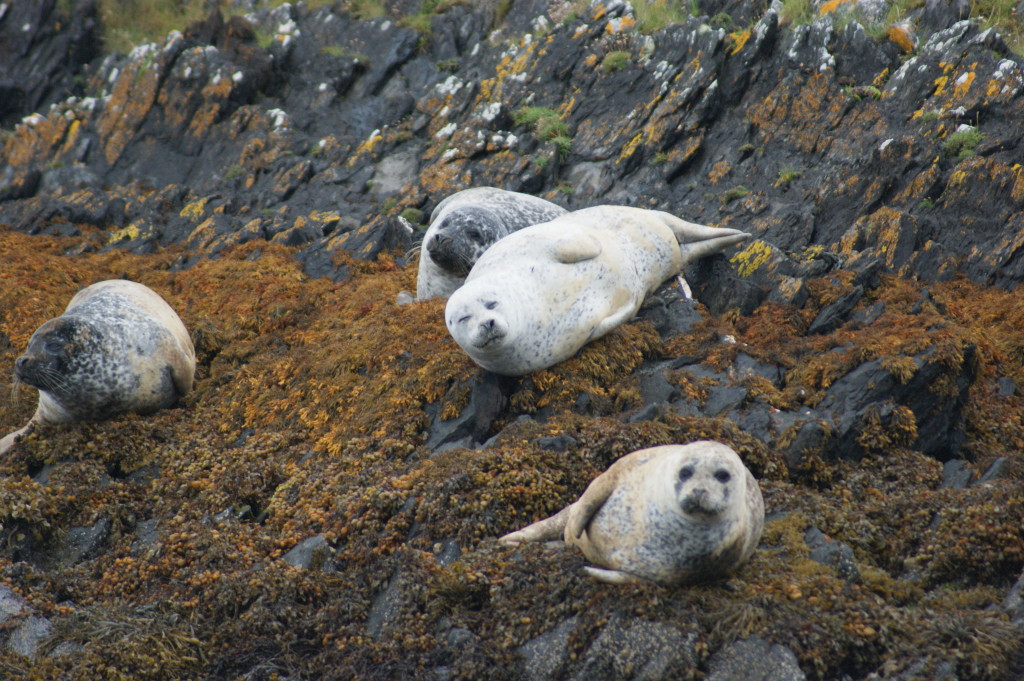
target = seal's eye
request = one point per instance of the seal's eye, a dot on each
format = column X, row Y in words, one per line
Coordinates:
column 473, row 234
column 463, row 320
column 491, row 305
column 722, row 476
column 685, row 473
column 53, row 346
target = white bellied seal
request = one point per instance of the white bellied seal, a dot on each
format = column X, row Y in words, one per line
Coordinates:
column 118, row 347
column 674, row 514
column 540, row 294
column 464, row 225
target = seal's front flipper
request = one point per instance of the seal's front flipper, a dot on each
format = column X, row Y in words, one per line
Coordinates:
column 620, row 316
column 587, row 506
column 610, row 576
column 575, row 247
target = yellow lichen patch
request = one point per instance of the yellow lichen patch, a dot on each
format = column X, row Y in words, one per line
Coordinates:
column 129, row 231
column 630, row 147
column 1017, row 193
column 881, row 78
column 901, row 37
column 756, row 254
column 365, row 147
column 739, row 39
column 718, row 171
column 620, row 25
column 830, row 6
column 962, row 85
column 194, row 210
column 591, row 60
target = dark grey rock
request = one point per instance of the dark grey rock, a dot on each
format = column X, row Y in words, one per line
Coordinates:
column 746, row 365
column 1006, row 386
column 385, row 607
column 835, row 554
column 722, row 398
column 655, row 387
column 447, row 552
column 1014, row 602
column 754, row 659
column 557, row 443
column 996, row 471
column 868, row 315
column 486, row 401
column 638, row 651
column 870, row 388
column 311, row 554
column 146, row 533
column 956, row 474
column 80, row 543
column 544, row 656
column 941, row 14
column 669, row 310
column 834, row 315
column 811, row 437
column 11, row 604
column 756, row 421
column 26, row 638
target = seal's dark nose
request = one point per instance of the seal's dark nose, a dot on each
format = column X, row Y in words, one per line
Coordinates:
column 19, row 364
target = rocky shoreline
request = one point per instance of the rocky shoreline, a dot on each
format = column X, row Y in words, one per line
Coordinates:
column 325, row 504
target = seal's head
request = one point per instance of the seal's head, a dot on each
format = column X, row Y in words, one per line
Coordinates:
column 461, row 237
column 478, row 319
column 710, row 481
column 54, row 355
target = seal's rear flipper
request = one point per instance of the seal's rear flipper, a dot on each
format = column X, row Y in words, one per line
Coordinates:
column 610, row 576
column 700, row 249
column 542, row 530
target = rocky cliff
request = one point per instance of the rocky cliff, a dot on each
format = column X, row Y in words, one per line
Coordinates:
column 325, row 504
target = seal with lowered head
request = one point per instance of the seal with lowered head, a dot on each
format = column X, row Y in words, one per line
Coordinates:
column 675, row 514
column 118, row 347
column 465, row 225
column 540, row 294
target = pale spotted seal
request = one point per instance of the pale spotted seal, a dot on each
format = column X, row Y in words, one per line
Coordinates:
column 464, row 225
column 540, row 294
column 674, row 514
column 118, row 347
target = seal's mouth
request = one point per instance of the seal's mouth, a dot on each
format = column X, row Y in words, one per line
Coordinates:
column 489, row 332
column 446, row 255
column 699, row 506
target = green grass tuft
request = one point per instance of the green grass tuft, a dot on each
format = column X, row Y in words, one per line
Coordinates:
column 961, row 143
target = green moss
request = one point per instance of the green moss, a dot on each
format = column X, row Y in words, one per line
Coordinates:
column 733, row 194
column 615, row 60
column 961, row 144
column 653, row 15
column 786, row 176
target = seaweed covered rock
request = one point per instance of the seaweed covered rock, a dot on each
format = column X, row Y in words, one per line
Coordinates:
column 325, row 504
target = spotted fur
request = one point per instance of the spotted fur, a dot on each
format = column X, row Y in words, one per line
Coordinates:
column 118, row 347
column 639, row 519
column 539, row 295
column 465, row 225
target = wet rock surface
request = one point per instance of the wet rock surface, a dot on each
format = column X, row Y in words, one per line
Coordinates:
column 325, row 504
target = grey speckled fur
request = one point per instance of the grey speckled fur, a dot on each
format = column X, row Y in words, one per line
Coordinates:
column 118, row 347
column 641, row 519
column 465, row 225
column 540, row 294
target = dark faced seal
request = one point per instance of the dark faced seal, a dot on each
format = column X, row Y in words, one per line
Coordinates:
column 674, row 514
column 464, row 225
column 537, row 296
column 118, row 347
